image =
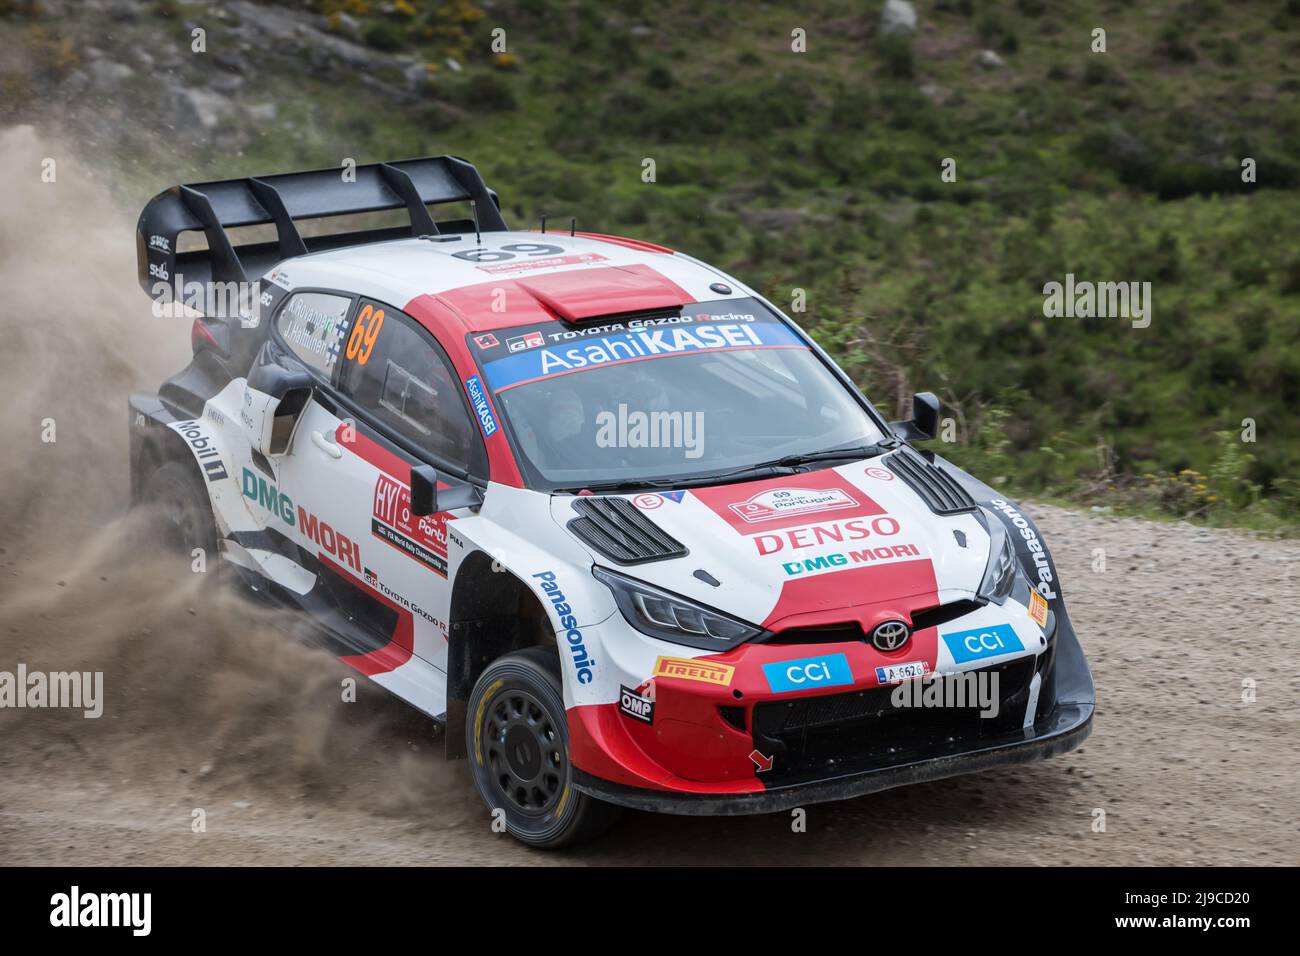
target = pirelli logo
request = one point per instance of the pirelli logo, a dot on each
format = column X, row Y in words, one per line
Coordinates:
column 1038, row 608
column 706, row 672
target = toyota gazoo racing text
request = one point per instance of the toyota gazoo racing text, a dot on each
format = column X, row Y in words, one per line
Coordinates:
column 600, row 508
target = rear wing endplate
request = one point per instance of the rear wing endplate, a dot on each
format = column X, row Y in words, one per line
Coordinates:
column 282, row 200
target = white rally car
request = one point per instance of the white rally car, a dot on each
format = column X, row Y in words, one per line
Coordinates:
column 600, row 508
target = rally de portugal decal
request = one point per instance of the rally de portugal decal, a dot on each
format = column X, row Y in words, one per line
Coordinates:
column 785, row 502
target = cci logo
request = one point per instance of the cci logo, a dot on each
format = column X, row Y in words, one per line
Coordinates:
column 982, row 642
column 808, row 673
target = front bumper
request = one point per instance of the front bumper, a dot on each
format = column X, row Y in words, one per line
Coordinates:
column 1063, row 721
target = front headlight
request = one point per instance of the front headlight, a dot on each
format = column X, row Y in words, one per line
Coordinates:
column 671, row 617
column 1000, row 572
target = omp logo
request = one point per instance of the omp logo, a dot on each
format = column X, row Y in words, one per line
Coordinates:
column 706, row 672
column 582, row 662
column 268, row 497
column 635, row 705
column 808, row 673
column 73, row 909
column 982, row 642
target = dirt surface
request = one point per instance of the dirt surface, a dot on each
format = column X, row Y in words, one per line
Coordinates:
column 1185, row 771
column 215, row 713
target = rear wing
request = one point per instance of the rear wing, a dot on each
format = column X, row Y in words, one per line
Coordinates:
column 281, row 200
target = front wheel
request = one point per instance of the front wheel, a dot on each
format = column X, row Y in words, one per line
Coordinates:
column 518, row 743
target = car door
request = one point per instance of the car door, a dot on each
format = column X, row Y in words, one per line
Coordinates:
column 393, row 403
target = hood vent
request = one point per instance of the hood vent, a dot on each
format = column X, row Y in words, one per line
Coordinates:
column 621, row 531
column 936, row 487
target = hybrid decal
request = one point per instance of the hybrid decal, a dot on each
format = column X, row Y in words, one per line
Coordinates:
column 582, row 662
column 422, row 538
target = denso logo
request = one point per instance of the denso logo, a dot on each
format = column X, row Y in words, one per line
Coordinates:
column 811, row 536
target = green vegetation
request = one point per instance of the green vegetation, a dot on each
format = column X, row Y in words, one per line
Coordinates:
column 820, row 171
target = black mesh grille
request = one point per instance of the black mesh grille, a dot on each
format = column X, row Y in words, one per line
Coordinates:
column 621, row 532
column 936, row 487
column 812, row 736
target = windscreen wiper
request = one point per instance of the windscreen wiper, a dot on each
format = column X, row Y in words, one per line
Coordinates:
column 832, row 454
column 786, row 465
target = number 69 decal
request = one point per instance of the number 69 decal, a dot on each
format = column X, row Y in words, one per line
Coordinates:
column 510, row 251
column 364, row 332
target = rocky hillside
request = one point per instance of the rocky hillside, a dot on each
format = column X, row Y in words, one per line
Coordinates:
column 910, row 176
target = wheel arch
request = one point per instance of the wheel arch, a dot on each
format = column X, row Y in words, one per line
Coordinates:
column 493, row 612
column 152, row 443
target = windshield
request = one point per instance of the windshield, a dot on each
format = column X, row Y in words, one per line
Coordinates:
column 716, row 387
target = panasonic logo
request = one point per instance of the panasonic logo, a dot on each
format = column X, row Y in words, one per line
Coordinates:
column 582, row 662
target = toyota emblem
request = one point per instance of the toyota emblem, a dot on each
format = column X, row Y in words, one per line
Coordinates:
column 890, row 635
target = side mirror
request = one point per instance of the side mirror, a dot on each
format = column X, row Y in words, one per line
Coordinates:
column 426, row 499
column 424, row 490
column 924, row 422
column 274, row 399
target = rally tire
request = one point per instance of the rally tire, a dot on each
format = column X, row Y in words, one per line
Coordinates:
column 183, row 510
column 517, row 737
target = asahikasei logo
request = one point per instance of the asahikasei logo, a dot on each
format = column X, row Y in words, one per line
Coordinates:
column 474, row 388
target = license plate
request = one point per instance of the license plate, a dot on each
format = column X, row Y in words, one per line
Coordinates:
column 893, row 673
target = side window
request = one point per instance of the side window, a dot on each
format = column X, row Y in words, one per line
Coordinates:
column 396, row 372
column 313, row 325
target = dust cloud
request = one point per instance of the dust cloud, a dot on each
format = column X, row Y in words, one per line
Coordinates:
column 207, row 696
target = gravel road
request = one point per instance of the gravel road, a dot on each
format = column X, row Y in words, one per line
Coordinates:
column 1185, row 770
